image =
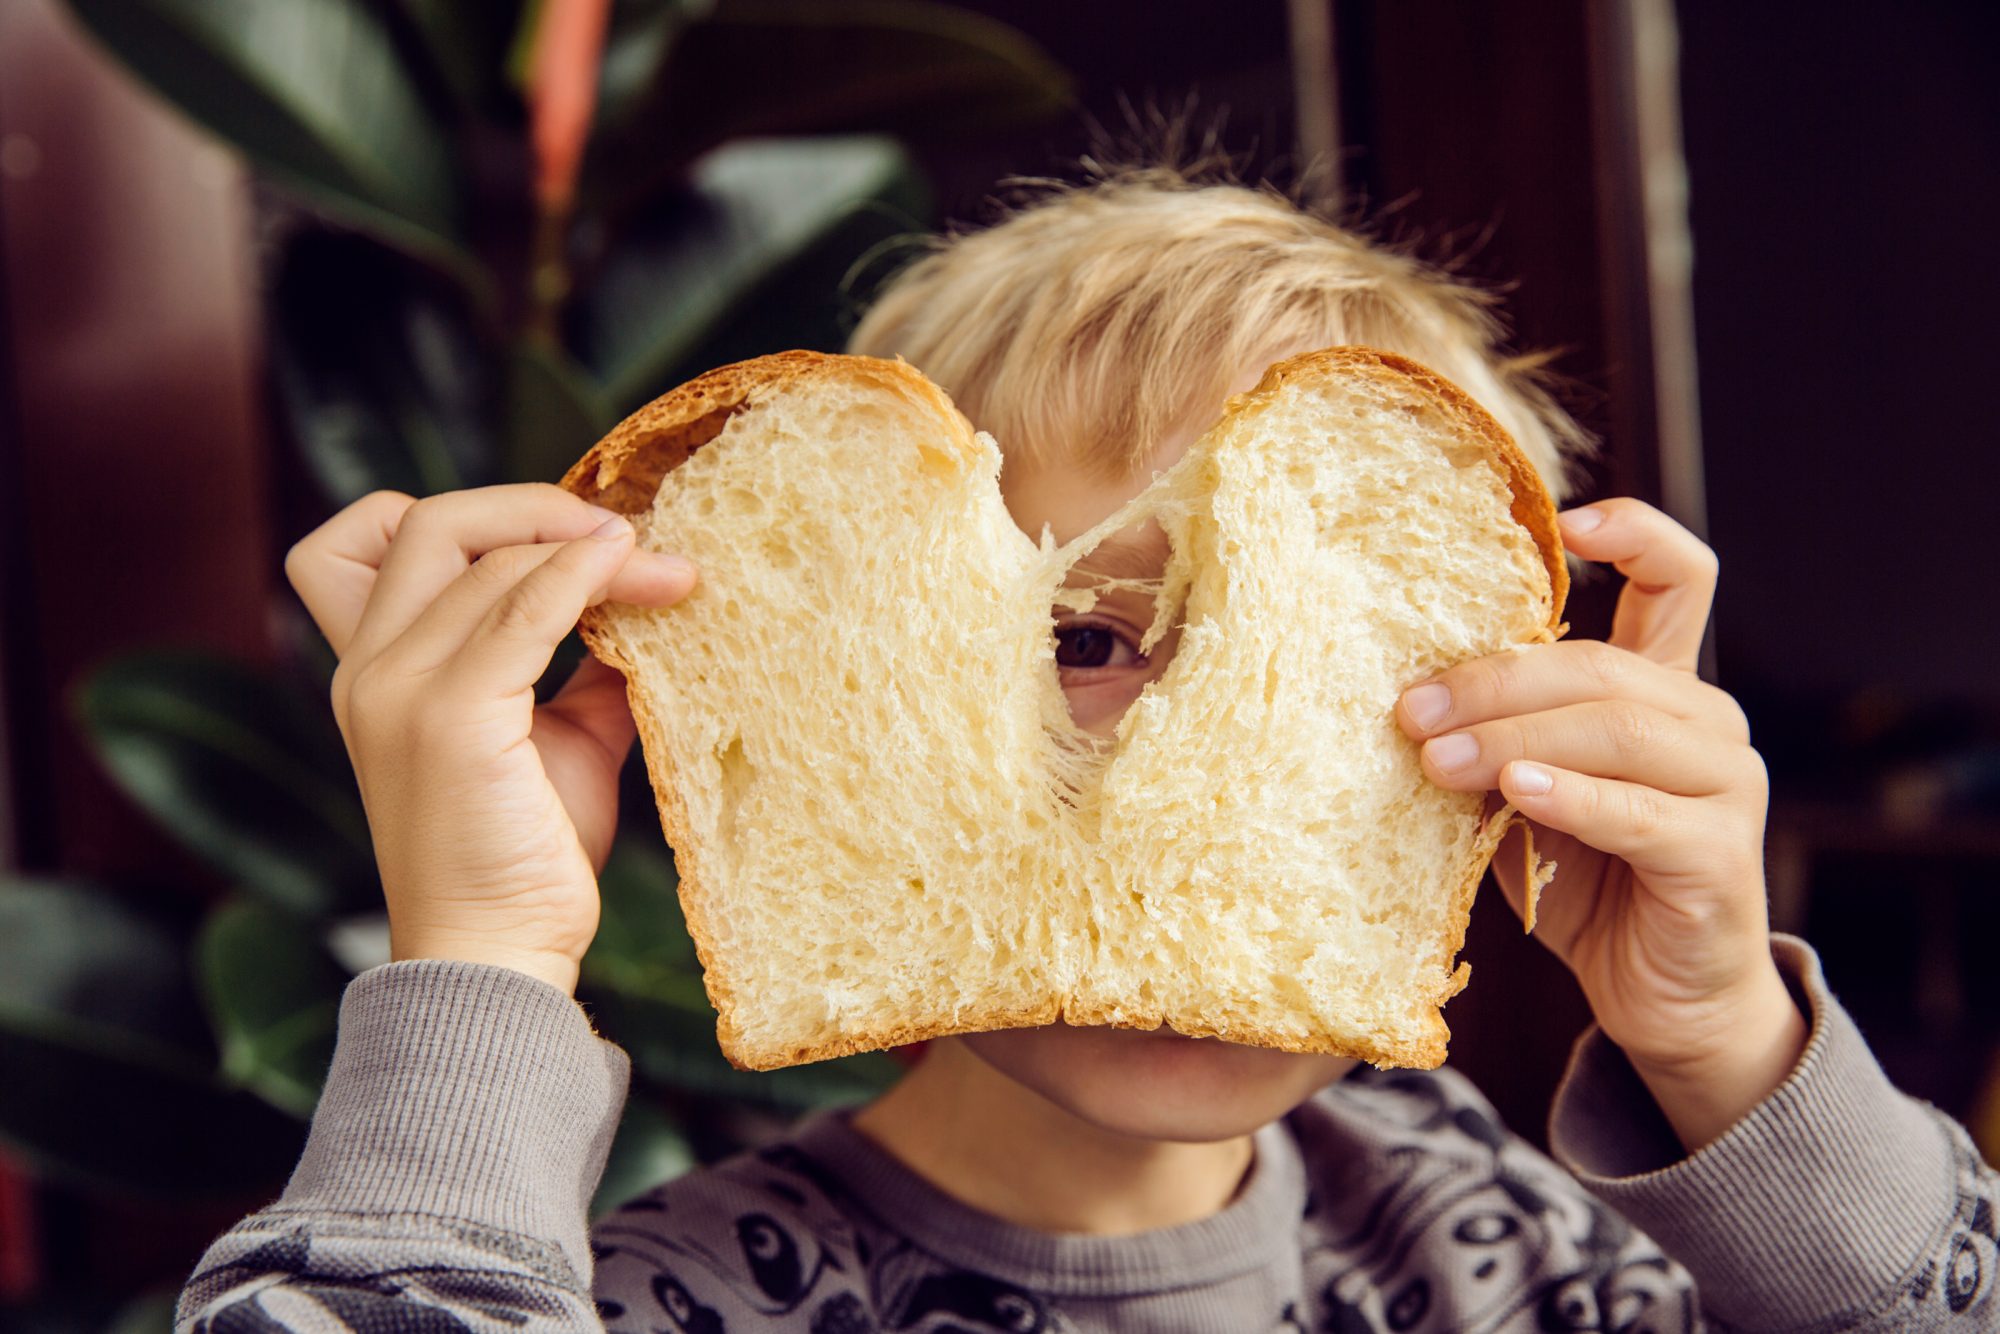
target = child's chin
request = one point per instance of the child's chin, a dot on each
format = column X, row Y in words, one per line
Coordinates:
column 1157, row 1084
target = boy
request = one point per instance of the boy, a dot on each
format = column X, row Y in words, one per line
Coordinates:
column 1061, row 1179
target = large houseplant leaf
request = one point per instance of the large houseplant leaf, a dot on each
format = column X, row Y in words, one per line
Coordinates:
column 313, row 91
column 637, row 46
column 468, row 44
column 554, row 412
column 273, row 998
column 109, row 1071
column 786, row 67
column 241, row 770
column 751, row 213
column 382, row 373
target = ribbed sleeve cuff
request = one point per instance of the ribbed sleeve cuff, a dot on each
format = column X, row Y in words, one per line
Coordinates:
column 1812, row 1210
column 468, row 1092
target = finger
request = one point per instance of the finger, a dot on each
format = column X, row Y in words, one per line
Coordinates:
column 1643, row 825
column 644, row 579
column 440, row 537
column 1670, row 576
column 333, row 567
column 510, row 646
column 1605, row 738
column 1550, row 676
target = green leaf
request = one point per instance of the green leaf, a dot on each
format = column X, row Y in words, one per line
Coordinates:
column 636, row 48
column 313, row 91
column 111, row 1079
column 241, row 770
column 648, row 1151
column 752, row 213
column 151, row 1314
column 554, row 413
column 642, row 943
column 815, row 300
column 468, row 44
column 642, row 980
column 786, row 67
column 273, row 997
column 382, row 373
column 74, row 953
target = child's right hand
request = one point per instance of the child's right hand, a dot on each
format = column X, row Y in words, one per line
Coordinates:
column 490, row 816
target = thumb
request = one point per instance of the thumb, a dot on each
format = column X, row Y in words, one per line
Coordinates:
column 593, row 700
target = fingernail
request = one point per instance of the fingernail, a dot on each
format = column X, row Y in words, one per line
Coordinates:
column 611, row 529
column 680, row 566
column 1454, row 752
column 1531, row 780
column 1427, row 704
column 603, row 513
column 1582, row 520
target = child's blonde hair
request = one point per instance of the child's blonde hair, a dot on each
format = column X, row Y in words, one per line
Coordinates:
column 1098, row 319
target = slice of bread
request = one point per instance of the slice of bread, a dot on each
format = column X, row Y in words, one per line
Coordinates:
column 886, row 824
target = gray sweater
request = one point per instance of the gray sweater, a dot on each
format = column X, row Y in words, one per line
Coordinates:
column 446, row 1183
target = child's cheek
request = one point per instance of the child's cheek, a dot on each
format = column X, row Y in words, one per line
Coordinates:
column 1157, row 1084
column 1097, row 705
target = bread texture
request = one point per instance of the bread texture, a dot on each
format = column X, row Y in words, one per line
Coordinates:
column 887, row 826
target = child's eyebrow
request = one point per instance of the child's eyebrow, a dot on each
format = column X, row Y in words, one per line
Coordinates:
column 1127, row 558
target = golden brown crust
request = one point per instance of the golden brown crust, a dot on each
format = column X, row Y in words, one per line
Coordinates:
column 897, row 1035
column 1424, row 1054
column 623, row 472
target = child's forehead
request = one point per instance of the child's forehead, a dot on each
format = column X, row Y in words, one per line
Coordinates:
column 1069, row 493
column 1138, row 552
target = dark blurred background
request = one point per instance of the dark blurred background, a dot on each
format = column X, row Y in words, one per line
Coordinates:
column 244, row 280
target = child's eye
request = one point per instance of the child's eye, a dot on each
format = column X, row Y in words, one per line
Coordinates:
column 1086, row 645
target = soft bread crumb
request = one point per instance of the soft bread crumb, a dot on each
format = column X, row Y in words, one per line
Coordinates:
column 887, row 825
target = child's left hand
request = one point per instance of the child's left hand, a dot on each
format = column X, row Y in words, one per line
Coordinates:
column 1643, row 789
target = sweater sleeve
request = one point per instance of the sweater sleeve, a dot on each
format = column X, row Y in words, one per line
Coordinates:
column 447, row 1178
column 1837, row 1203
